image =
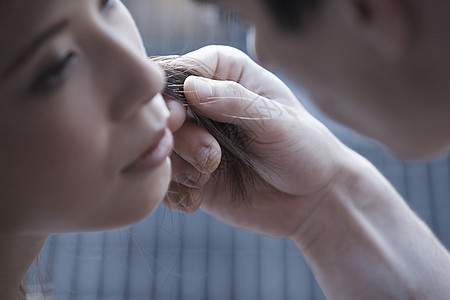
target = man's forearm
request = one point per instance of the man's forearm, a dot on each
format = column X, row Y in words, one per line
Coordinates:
column 363, row 241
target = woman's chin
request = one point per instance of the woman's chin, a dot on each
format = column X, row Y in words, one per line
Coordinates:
column 155, row 191
column 140, row 203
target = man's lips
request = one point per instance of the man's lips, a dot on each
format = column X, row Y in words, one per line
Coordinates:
column 160, row 148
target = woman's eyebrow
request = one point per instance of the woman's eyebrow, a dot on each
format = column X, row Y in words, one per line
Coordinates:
column 36, row 43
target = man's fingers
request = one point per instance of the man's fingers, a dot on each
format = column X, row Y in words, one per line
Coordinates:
column 183, row 198
column 230, row 102
column 229, row 64
column 186, row 174
column 177, row 114
column 197, row 147
column 185, row 189
column 222, row 62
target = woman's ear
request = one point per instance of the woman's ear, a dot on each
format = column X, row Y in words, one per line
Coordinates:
column 388, row 25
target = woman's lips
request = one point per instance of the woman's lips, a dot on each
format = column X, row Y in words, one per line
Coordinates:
column 156, row 154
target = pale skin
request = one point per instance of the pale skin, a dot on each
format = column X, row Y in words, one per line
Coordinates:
column 84, row 128
column 383, row 70
column 350, row 223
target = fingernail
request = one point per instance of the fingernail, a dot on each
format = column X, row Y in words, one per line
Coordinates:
column 208, row 159
column 203, row 89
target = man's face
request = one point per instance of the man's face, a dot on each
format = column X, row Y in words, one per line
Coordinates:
column 334, row 58
column 321, row 56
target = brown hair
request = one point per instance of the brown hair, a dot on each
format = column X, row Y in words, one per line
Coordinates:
column 237, row 167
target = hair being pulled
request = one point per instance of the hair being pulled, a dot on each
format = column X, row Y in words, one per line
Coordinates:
column 237, row 166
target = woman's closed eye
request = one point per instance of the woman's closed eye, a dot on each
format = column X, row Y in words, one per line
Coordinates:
column 53, row 76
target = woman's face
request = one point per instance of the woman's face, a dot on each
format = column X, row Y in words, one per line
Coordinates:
column 83, row 127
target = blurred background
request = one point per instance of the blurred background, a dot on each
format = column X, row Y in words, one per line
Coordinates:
column 176, row 256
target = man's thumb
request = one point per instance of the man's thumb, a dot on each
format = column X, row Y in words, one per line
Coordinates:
column 230, row 102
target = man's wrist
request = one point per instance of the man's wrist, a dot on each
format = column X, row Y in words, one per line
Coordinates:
column 363, row 231
column 356, row 188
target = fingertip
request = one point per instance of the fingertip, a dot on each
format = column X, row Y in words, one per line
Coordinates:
column 198, row 89
column 209, row 158
column 196, row 146
column 218, row 100
column 177, row 114
column 189, row 82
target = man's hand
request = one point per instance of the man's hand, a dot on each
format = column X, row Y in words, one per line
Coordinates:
column 358, row 235
column 297, row 158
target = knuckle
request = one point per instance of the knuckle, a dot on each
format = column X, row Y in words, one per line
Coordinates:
column 182, row 198
column 192, row 179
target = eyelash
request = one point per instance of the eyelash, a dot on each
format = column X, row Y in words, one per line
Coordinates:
column 54, row 75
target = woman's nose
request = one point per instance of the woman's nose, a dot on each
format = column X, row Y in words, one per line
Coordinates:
column 131, row 78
